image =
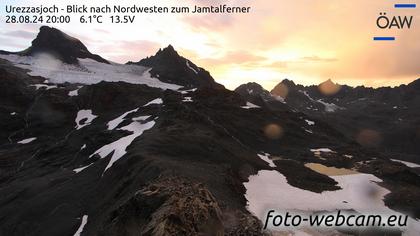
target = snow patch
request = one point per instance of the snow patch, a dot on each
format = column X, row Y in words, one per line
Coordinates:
column 322, row 150
column 119, row 147
column 307, row 95
column 26, row 141
column 329, row 107
column 82, row 226
column 308, row 131
column 141, row 118
column 250, row 106
column 187, row 99
column 40, row 86
column 87, row 72
column 75, row 92
column 309, row 122
column 266, row 157
column 317, row 152
column 78, row 170
column 115, row 122
column 270, row 190
column 408, row 164
column 156, row 101
column 84, row 118
column 187, row 91
column 190, row 67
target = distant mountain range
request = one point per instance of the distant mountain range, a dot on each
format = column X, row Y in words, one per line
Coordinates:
column 384, row 118
column 157, row 147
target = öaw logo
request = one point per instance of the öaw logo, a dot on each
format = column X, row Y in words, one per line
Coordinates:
column 385, row 21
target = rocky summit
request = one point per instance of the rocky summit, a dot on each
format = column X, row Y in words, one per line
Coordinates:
column 157, row 147
column 60, row 45
column 170, row 67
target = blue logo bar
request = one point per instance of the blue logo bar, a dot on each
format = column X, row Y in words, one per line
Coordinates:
column 405, row 5
column 384, row 38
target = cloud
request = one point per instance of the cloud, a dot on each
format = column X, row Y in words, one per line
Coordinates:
column 208, row 22
column 240, row 57
column 278, row 65
column 124, row 51
column 20, row 34
column 318, row 59
column 11, row 45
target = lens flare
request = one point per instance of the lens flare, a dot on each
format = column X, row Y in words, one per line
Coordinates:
column 281, row 90
column 369, row 138
column 329, row 88
column 273, row 131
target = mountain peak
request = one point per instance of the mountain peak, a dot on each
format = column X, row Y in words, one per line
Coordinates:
column 170, row 67
column 328, row 81
column 250, row 88
column 415, row 84
column 288, row 82
column 170, row 48
column 169, row 53
column 66, row 48
column 329, row 88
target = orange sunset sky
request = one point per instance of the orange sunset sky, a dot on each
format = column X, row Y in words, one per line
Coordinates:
column 307, row 41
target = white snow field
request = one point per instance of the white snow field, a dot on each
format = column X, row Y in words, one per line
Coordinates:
column 266, row 157
column 26, row 141
column 84, row 118
column 309, row 122
column 115, row 122
column 87, row 72
column 157, row 101
column 75, row 92
column 187, row 99
column 78, row 170
column 44, row 86
column 408, row 164
column 190, row 67
column 250, row 106
column 188, row 91
column 329, row 107
column 119, row 148
column 82, row 226
column 317, row 151
column 270, row 190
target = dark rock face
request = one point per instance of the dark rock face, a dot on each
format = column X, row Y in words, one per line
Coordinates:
column 168, row 66
column 254, row 93
column 253, row 90
column 60, row 45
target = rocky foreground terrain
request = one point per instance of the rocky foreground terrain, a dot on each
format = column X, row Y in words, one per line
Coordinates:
column 157, row 147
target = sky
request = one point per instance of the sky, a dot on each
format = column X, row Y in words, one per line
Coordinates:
column 307, row 41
